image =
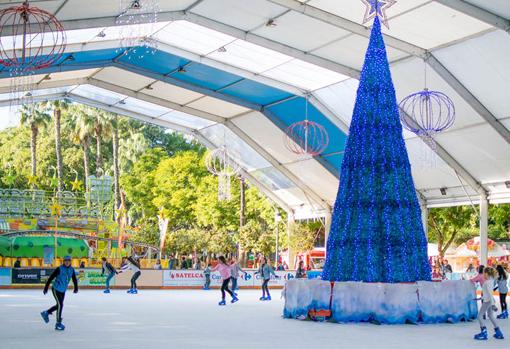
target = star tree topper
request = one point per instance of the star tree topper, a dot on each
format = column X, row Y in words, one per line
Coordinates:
column 377, row 8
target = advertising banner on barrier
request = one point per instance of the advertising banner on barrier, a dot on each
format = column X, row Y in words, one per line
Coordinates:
column 92, row 277
column 5, row 276
column 196, row 278
column 30, row 275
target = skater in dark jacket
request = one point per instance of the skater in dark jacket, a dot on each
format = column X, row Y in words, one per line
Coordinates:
column 107, row 267
column 60, row 278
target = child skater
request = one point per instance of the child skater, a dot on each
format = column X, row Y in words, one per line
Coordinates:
column 207, row 274
column 487, row 306
column 265, row 271
column 225, row 273
column 107, row 267
column 134, row 265
column 502, row 282
column 60, row 278
column 235, row 268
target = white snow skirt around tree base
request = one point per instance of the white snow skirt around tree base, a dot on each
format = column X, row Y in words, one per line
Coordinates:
column 419, row 302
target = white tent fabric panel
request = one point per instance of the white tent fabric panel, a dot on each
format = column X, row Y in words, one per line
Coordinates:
column 429, row 170
column 351, row 51
column 249, row 159
column 498, row 7
column 480, row 150
column 304, row 75
column 192, row 37
column 98, row 94
column 217, row 107
column 123, row 78
column 294, row 29
column 482, row 62
column 243, row 14
column 142, row 107
column 172, row 93
column 265, row 133
column 317, row 177
column 245, row 55
column 75, row 74
column 354, row 11
column 433, row 25
column 186, row 120
column 50, row 6
column 409, row 77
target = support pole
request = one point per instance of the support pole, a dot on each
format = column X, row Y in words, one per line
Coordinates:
column 424, row 220
column 327, row 227
column 290, row 221
column 484, row 237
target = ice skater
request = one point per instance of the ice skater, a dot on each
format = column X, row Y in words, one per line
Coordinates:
column 502, row 283
column 225, row 273
column 265, row 271
column 60, row 278
column 107, row 267
column 236, row 268
column 134, row 265
column 488, row 306
column 207, row 274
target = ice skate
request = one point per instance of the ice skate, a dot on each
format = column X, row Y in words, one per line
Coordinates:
column 106, row 291
column 59, row 326
column 45, row 316
column 222, row 302
column 498, row 334
column 482, row 336
column 235, row 299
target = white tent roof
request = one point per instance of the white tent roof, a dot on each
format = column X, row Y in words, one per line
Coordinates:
column 316, row 48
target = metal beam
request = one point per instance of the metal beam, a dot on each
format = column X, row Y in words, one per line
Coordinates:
column 478, row 13
column 454, row 83
column 348, row 25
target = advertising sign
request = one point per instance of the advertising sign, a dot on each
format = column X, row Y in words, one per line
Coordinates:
column 92, row 277
column 30, row 275
column 185, row 278
column 5, row 276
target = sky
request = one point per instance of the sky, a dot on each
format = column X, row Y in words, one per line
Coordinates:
column 8, row 117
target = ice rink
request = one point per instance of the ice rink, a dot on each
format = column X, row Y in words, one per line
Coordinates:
column 192, row 319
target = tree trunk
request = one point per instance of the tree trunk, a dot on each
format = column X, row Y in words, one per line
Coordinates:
column 99, row 156
column 33, row 148
column 85, row 148
column 116, row 174
column 58, row 147
column 242, row 219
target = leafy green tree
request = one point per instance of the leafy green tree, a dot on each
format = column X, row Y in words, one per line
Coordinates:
column 35, row 117
column 303, row 235
column 499, row 222
column 451, row 225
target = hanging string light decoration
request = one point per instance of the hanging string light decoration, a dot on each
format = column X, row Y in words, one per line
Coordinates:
column 137, row 21
column 306, row 137
column 221, row 164
column 427, row 113
column 32, row 39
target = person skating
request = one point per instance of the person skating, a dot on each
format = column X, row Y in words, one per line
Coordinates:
column 487, row 306
column 265, row 271
column 59, row 280
column 207, row 274
column 134, row 265
column 502, row 283
column 107, row 267
column 225, row 273
column 236, row 268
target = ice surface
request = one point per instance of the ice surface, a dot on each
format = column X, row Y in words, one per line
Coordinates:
column 191, row 319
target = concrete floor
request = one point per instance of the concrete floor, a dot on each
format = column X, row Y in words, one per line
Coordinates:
column 192, row 319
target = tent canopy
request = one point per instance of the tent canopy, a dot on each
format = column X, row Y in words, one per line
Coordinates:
column 226, row 75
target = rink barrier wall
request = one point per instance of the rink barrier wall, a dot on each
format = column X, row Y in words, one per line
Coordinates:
column 150, row 278
column 421, row 302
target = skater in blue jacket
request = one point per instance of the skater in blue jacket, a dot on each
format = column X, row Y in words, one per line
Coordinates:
column 265, row 271
column 60, row 277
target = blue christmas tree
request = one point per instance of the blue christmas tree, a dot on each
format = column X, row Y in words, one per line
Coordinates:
column 376, row 232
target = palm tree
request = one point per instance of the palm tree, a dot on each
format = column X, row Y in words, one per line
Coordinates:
column 102, row 129
column 35, row 117
column 57, row 107
column 82, row 130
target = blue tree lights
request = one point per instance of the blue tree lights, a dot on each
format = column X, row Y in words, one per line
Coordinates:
column 376, row 232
